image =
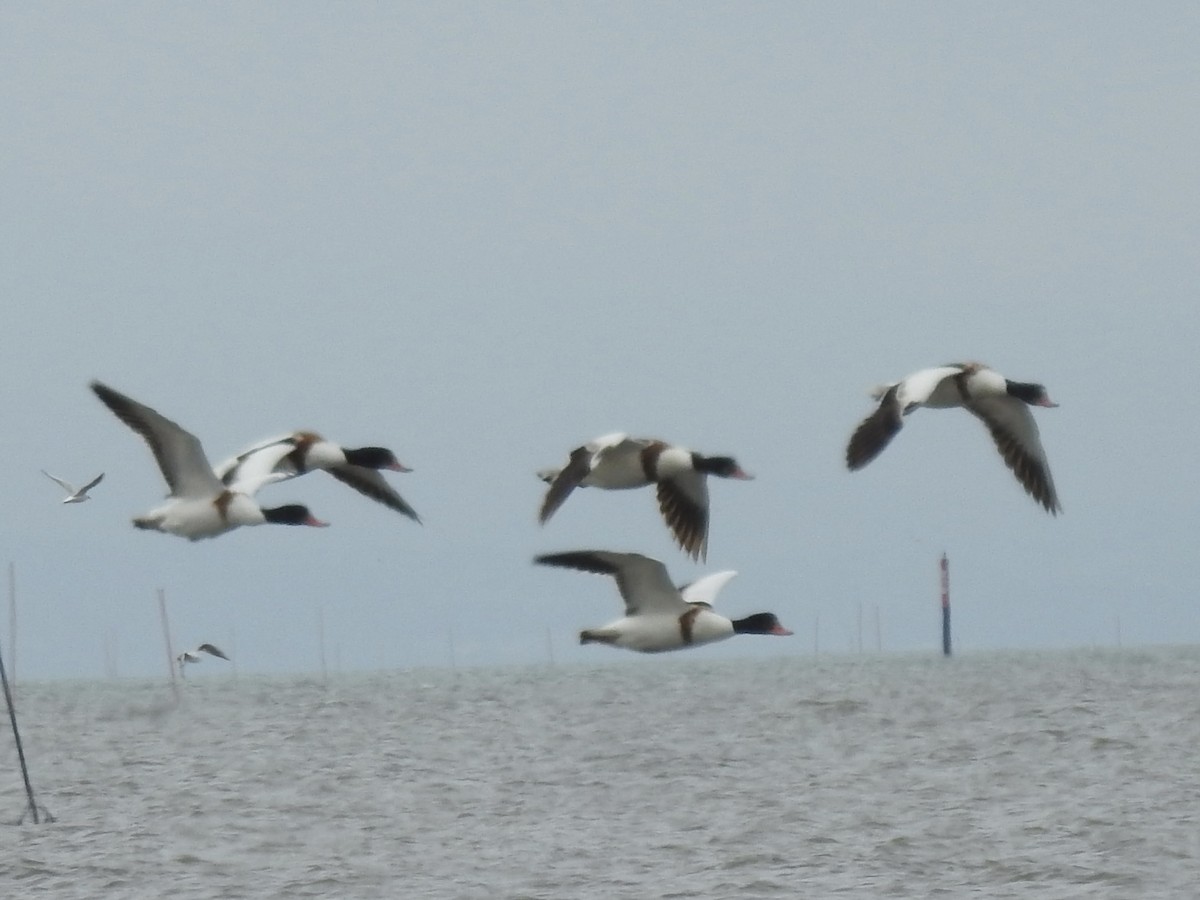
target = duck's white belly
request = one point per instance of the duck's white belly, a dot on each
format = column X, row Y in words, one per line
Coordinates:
column 937, row 388
column 709, row 626
column 197, row 519
column 945, row 396
column 618, row 468
column 941, row 388
column 660, row 633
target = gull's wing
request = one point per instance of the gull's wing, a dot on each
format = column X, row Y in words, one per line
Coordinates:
column 210, row 648
column 371, row 483
column 705, row 589
column 683, row 502
column 1015, row 433
column 177, row 451
column 642, row 581
column 91, row 484
column 66, row 486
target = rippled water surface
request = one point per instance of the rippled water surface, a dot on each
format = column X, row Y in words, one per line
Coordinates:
column 1001, row 775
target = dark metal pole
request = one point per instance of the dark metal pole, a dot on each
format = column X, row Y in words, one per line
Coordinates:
column 12, row 620
column 945, row 606
column 12, row 718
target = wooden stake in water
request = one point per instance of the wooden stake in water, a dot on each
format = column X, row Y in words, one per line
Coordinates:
column 945, row 606
column 38, row 813
column 162, row 614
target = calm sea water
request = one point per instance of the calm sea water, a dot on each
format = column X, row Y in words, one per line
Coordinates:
column 1006, row 775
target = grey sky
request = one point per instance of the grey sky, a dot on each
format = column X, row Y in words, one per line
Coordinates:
column 480, row 234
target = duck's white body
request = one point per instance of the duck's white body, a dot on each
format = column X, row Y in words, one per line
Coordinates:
column 196, row 518
column 937, row 388
column 658, row 616
column 618, row 462
column 1002, row 405
column 660, row 632
column 612, row 462
column 291, row 455
column 199, row 505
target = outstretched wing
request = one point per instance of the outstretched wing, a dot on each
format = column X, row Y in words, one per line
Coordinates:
column 683, row 502
column 371, row 483
column 69, row 488
column 178, row 452
column 705, row 589
column 642, row 581
column 259, row 465
column 91, row 484
column 876, row 431
column 566, row 481
column 1015, row 433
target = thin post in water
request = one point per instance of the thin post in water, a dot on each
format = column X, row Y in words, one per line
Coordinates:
column 12, row 621
column 38, row 813
column 162, row 614
column 945, row 606
column 321, row 644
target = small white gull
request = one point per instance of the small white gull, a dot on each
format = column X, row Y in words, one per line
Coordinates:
column 194, row 656
column 74, row 494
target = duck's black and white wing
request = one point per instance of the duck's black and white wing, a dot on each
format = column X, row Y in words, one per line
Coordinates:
column 683, row 503
column 178, row 452
column 579, row 465
column 371, row 483
column 643, row 582
column 876, row 431
column 1016, row 436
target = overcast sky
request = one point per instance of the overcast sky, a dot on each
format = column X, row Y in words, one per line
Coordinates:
column 481, row 234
